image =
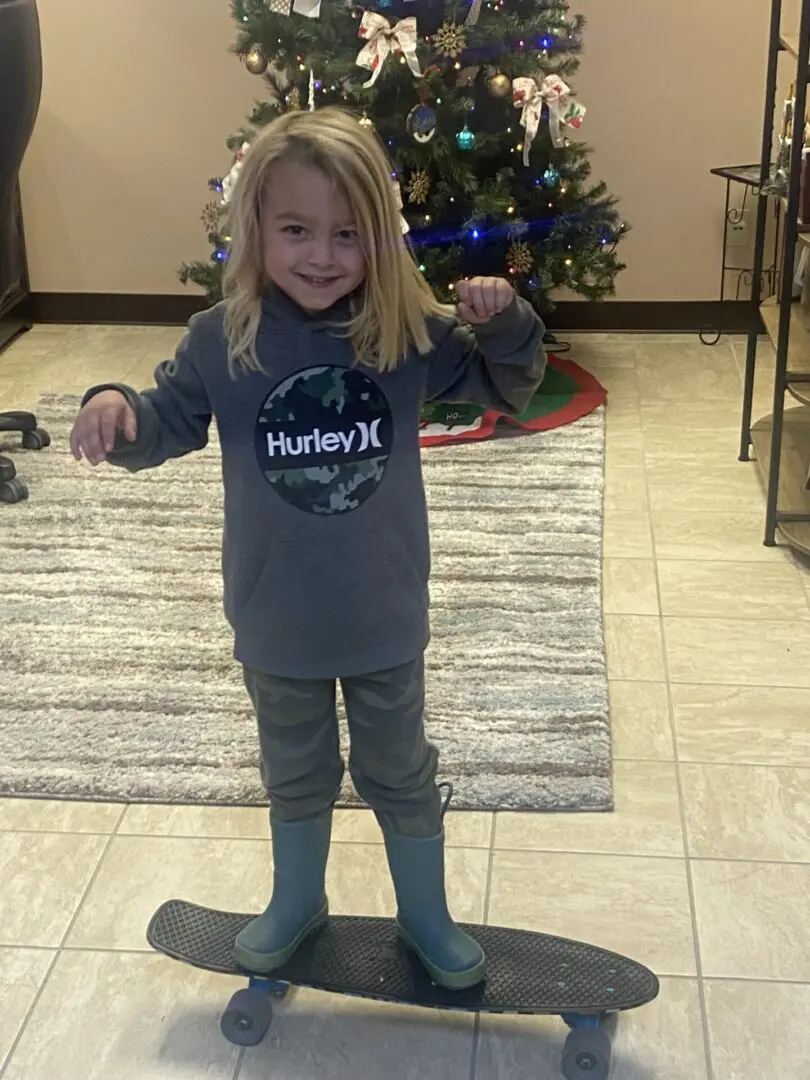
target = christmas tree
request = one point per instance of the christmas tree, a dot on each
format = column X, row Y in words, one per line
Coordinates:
column 473, row 100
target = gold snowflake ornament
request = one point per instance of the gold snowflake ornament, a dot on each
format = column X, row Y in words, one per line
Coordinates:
column 450, row 40
column 210, row 216
column 418, row 186
column 520, row 258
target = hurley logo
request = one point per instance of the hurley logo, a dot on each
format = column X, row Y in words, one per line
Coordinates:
column 354, row 441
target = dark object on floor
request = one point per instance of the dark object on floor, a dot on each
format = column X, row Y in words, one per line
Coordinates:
column 20, row 92
column 527, row 973
column 12, row 487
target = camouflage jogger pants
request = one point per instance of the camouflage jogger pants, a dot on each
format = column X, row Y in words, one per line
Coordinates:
column 392, row 764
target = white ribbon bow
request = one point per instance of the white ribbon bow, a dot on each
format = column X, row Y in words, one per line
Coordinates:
column 229, row 182
column 562, row 108
column 526, row 94
column 311, row 9
column 382, row 39
column 403, row 222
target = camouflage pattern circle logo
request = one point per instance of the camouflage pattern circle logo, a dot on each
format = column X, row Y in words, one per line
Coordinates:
column 323, row 438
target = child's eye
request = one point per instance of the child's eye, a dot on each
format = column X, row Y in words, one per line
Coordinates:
column 294, row 230
column 349, row 236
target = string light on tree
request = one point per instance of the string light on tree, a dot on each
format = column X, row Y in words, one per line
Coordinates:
column 427, row 65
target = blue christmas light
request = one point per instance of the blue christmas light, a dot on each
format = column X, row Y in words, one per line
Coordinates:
column 219, row 255
column 215, row 185
column 546, row 41
column 476, row 235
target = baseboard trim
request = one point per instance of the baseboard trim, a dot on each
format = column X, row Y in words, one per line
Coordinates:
column 135, row 309
column 657, row 316
column 625, row 316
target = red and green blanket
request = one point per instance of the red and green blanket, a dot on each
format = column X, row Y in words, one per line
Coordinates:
column 567, row 393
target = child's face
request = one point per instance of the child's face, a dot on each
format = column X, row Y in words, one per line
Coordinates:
column 310, row 243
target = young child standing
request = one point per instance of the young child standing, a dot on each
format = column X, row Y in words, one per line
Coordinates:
column 316, row 366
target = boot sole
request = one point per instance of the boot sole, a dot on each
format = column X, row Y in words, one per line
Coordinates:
column 450, row 980
column 263, row 963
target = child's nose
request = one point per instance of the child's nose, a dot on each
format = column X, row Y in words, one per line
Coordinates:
column 322, row 252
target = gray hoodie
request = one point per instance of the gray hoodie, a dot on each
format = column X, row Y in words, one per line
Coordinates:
column 326, row 554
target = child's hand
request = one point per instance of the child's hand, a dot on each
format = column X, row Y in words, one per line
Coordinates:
column 93, row 433
column 480, row 298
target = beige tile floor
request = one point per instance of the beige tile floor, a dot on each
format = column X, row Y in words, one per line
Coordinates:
column 703, row 871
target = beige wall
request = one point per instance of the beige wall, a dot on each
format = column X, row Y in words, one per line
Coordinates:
column 139, row 96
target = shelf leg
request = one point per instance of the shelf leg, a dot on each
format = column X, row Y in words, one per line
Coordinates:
column 762, row 226
column 786, row 284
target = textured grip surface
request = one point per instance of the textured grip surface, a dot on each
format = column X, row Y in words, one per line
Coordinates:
column 527, row 972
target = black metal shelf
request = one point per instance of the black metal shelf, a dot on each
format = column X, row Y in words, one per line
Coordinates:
column 782, row 440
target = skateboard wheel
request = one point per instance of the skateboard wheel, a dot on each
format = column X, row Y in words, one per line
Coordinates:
column 36, row 439
column 246, row 1020
column 587, row 1054
column 13, row 490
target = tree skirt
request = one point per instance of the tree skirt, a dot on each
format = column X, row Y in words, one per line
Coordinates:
column 567, row 393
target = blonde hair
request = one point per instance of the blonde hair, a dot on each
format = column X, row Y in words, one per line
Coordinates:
column 396, row 299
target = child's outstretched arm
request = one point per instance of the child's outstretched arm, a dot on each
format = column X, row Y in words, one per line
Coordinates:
column 498, row 361
column 140, row 431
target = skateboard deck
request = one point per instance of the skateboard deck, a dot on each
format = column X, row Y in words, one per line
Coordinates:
column 527, row 972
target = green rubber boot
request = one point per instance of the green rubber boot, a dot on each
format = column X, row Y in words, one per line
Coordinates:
column 298, row 905
column 452, row 958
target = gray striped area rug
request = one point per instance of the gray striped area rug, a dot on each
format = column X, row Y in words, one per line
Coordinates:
column 118, row 679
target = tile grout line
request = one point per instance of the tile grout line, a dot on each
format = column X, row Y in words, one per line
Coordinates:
column 690, row 885
column 476, row 1032
column 60, row 947
column 240, row 1061
column 513, row 849
column 18, row 1038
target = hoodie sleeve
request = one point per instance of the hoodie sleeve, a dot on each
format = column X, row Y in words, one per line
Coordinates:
column 173, row 417
column 499, row 364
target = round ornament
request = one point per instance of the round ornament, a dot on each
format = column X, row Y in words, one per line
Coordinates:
column 499, row 85
column 256, row 60
column 551, row 177
column 465, row 139
column 421, row 123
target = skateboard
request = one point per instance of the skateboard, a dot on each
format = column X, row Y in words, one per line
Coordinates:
column 528, row 973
